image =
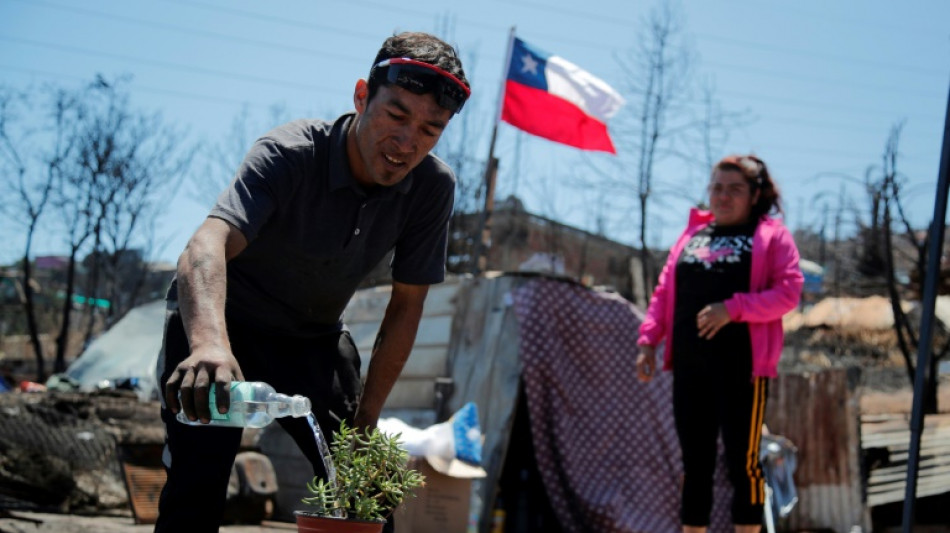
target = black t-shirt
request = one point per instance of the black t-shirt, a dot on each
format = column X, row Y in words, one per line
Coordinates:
column 714, row 265
column 314, row 233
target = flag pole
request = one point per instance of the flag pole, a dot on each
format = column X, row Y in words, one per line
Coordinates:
column 491, row 171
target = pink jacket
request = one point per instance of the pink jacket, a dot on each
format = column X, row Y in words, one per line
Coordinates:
column 775, row 288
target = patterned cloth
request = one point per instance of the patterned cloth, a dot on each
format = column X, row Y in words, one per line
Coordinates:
column 605, row 443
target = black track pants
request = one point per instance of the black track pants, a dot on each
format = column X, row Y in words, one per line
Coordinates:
column 713, row 394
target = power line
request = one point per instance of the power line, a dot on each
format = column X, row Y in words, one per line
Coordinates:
column 180, row 29
column 812, row 104
column 626, row 22
column 388, row 8
column 888, row 27
column 348, row 32
column 746, row 45
column 217, row 99
column 852, row 127
column 784, row 74
column 169, row 65
column 308, row 87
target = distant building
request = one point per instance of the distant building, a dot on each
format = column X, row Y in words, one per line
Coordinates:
column 521, row 241
column 51, row 262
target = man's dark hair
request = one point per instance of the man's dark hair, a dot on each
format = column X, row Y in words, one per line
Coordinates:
column 421, row 47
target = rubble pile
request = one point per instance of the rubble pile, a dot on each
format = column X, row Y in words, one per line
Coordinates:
column 59, row 450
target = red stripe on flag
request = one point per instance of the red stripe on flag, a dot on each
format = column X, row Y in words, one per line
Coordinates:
column 540, row 113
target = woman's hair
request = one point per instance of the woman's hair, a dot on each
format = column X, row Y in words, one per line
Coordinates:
column 757, row 175
column 421, row 47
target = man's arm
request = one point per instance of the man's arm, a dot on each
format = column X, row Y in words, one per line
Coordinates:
column 202, row 287
column 397, row 333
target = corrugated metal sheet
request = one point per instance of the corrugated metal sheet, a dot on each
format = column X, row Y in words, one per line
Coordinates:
column 820, row 414
column 486, row 369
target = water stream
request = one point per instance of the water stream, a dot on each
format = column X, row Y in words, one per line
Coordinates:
column 325, row 454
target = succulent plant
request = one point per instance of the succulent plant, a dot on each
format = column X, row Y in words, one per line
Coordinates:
column 372, row 476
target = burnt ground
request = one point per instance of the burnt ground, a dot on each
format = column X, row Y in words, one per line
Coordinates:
column 59, row 462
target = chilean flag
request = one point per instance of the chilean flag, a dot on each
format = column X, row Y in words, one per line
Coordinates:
column 550, row 97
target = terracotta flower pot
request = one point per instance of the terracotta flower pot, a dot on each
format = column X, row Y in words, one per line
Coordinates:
column 309, row 523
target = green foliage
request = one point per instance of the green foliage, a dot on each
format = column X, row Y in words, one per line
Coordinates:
column 373, row 476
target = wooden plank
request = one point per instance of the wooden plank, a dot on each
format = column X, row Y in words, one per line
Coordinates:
column 370, row 304
column 411, row 393
column 878, row 430
column 886, row 484
column 432, row 331
column 897, row 495
column 885, row 422
column 426, row 362
column 928, row 468
column 933, row 450
column 367, row 304
column 902, row 437
column 902, row 440
column 938, row 483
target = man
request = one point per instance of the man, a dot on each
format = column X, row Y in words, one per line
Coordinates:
column 262, row 285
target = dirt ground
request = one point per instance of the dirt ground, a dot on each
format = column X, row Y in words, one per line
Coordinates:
column 29, row 522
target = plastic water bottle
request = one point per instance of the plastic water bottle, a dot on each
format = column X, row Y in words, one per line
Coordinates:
column 254, row 404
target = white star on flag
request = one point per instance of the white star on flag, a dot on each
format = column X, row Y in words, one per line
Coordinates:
column 528, row 64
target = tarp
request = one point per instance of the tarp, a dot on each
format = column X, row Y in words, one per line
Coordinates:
column 129, row 349
column 814, row 276
column 605, row 444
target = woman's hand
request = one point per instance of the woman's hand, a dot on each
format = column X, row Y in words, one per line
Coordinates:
column 646, row 363
column 711, row 319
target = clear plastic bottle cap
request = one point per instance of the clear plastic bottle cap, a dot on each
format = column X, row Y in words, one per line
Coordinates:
column 299, row 406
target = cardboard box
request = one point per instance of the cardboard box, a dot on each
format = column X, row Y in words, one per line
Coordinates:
column 440, row 507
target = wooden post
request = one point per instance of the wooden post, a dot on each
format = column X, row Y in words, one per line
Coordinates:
column 478, row 262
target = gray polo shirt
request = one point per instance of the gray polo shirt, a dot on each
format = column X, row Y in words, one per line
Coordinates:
column 314, row 233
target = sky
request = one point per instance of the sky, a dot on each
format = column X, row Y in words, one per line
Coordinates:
column 818, row 85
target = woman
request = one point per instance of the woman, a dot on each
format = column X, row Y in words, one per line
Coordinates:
column 718, row 306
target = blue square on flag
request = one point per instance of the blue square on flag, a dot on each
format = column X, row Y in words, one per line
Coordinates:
column 527, row 66
column 548, row 96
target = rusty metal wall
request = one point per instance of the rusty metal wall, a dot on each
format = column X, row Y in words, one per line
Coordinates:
column 820, row 414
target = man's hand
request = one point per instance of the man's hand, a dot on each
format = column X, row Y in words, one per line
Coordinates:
column 646, row 363
column 193, row 378
column 711, row 319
